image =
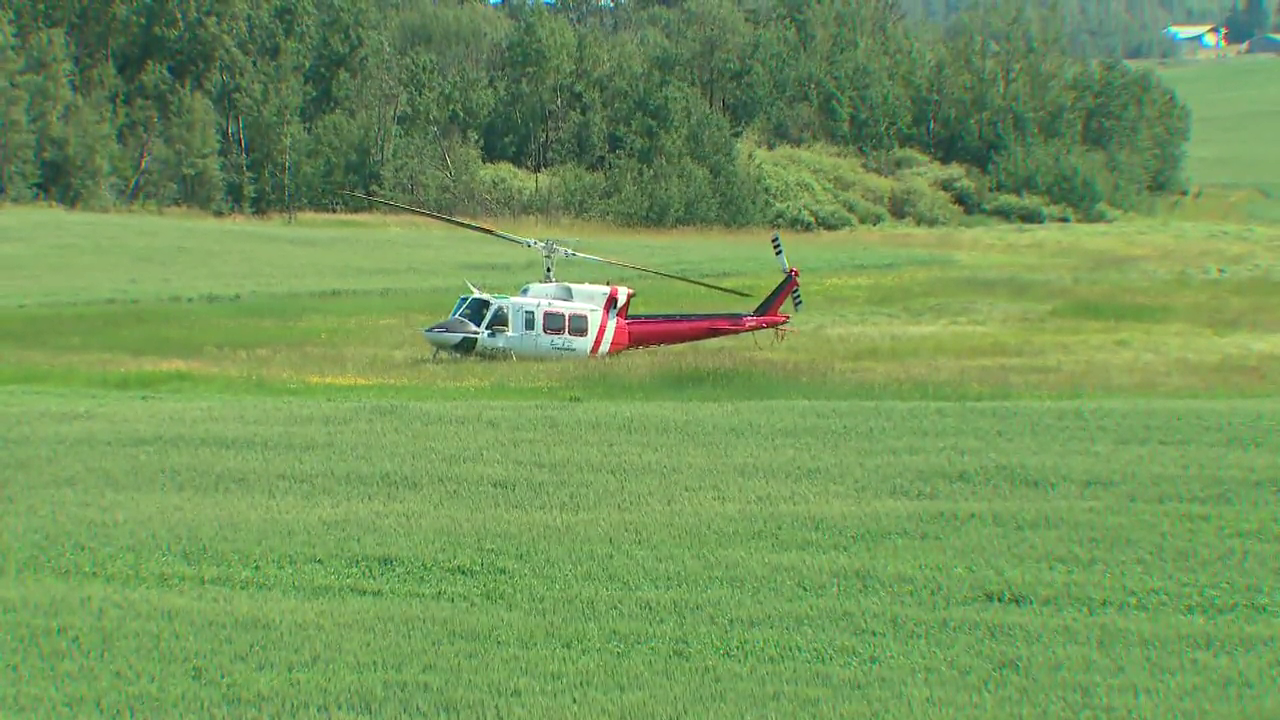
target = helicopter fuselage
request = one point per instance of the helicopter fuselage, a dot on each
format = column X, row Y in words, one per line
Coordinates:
column 558, row 319
column 543, row 320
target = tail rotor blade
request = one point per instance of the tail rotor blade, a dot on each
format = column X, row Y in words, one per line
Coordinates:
column 776, row 240
column 777, row 252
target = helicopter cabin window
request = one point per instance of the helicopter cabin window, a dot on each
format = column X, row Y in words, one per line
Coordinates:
column 500, row 318
column 530, row 318
column 578, row 325
column 553, row 322
column 474, row 311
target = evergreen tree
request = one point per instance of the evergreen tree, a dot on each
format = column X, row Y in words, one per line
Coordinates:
column 1247, row 20
column 17, row 141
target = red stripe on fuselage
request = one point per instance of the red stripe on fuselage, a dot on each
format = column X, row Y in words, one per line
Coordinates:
column 604, row 320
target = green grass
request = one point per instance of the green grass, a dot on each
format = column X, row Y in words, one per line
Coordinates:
column 1233, row 155
column 1062, row 312
column 1234, row 102
column 235, row 486
column 259, row 556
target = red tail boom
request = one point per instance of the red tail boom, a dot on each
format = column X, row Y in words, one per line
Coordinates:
column 643, row 331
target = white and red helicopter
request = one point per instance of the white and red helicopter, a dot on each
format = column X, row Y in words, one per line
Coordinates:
column 561, row 319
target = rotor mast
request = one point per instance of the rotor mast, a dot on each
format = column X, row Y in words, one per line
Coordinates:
column 549, row 252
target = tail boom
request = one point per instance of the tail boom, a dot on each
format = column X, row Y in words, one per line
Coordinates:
column 645, row 331
column 654, row 330
column 642, row 331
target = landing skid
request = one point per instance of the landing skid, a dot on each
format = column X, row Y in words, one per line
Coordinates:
column 496, row 354
column 445, row 356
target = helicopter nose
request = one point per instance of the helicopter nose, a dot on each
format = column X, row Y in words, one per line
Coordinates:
column 456, row 334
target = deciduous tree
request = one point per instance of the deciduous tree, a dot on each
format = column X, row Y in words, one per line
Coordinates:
column 639, row 112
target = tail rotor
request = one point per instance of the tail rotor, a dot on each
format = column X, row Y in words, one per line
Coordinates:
column 796, row 300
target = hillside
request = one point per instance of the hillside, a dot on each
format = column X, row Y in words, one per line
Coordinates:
column 1235, row 109
column 1233, row 161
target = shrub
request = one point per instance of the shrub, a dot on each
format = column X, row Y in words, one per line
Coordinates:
column 914, row 199
column 1022, row 209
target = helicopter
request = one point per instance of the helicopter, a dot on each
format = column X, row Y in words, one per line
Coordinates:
column 555, row 319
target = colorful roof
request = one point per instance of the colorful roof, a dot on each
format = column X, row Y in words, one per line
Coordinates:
column 1187, row 32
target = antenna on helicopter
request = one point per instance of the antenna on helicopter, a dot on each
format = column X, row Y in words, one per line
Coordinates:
column 550, row 250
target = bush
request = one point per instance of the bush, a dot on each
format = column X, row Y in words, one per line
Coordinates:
column 504, row 189
column 821, row 188
column 1067, row 176
column 573, row 191
column 798, row 188
column 1021, row 209
column 914, row 199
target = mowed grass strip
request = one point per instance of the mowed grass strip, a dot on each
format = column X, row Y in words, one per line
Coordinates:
column 368, row 559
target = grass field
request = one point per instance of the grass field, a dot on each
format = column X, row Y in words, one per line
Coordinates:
column 1234, row 156
column 1234, row 103
column 256, row 556
column 1155, row 310
column 236, row 487
column 991, row 472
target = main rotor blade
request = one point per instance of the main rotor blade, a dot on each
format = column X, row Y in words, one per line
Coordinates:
column 731, row 291
column 453, row 221
column 563, row 251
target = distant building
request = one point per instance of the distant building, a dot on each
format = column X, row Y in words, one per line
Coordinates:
column 1264, row 44
column 1197, row 36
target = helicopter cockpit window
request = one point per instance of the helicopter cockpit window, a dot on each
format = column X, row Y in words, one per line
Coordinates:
column 499, row 318
column 474, row 311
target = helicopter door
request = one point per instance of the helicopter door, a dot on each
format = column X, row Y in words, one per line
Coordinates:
column 552, row 340
column 524, row 337
column 497, row 326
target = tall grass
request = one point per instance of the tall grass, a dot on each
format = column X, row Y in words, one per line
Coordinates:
column 132, row 301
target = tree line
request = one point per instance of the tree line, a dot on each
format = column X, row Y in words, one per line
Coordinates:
column 1249, row 19
column 644, row 113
